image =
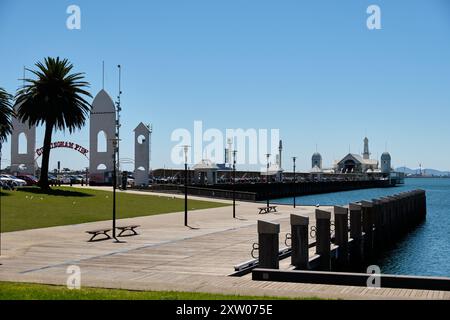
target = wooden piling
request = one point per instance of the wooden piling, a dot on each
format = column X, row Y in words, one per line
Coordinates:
column 300, row 241
column 386, row 204
column 323, row 238
column 374, row 226
column 367, row 225
column 355, row 234
column 268, row 237
column 341, row 236
column 377, row 217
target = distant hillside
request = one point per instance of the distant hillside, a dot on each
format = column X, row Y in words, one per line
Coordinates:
column 428, row 172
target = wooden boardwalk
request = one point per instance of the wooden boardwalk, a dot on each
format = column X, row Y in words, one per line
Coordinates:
column 168, row 256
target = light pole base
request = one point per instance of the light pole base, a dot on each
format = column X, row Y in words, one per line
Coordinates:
column 118, row 241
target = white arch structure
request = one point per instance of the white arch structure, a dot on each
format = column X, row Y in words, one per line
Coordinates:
column 23, row 162
column 102, row 130
column 141, row 154
column 102, row 124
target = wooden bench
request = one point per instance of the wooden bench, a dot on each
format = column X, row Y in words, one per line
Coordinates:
column 263, row 210
column 131, row 228
column 98, row 232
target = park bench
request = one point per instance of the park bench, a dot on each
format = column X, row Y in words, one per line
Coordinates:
column 130, row 228
column 268, row 209
column 98, row 232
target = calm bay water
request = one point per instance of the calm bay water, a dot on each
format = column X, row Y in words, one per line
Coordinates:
column 424, row 251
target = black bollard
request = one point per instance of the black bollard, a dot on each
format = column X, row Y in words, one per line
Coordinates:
column 300, row 242
column 341, row 236
column 377, row 222
column 367, row 226
column 356, row 235
column 323, row 238
column 385, row 211
column 268, row 238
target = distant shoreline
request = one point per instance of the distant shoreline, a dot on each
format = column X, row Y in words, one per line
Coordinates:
column 427, row 177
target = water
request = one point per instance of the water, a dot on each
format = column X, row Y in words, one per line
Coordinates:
column 424, row 251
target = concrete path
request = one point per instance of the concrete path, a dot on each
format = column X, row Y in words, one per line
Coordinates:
column 168, row 256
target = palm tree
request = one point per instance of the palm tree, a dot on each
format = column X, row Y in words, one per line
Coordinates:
column 5, row 115
column 55, row 99
column 5, row 118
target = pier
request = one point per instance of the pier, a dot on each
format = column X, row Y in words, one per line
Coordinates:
column 274, row 190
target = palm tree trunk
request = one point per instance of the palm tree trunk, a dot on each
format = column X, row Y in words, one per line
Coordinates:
column 43, row 181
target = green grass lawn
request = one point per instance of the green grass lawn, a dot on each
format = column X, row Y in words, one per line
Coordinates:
column 25, row 291
column 30, row 208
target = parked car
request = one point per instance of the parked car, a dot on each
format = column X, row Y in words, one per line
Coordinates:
column 6, row 184
column 75, row 179
column 29, row 179
column 52, row 179
column 16, row 181
column 64, row 179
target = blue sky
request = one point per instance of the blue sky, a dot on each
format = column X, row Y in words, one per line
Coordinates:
column 309, row 68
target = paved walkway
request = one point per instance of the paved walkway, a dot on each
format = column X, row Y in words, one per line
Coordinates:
column 168, row 256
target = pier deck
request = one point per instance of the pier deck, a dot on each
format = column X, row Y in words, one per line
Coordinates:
column 168, row 256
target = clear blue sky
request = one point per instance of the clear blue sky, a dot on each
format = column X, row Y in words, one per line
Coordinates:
column 310, row 68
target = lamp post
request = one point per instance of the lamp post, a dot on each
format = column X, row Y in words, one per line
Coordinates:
column 185, row 149
column 234, row 184
column 118, row 109
column 115, row 143
column 267, row 181
column 295, row 180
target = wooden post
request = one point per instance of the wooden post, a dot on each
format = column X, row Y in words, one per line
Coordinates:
column 394, row 213
column 413, row 211
column 367, row 225
column 406, row 213
column 268, row 237
column 385, row 210
column 377, row 221
column 323, row 238
column 300, row 241
column 341, row 236
column 408, row 218
column 417, row 203
column 394, row 208
column 356, row 235
column 423, row 204
column 419, row 206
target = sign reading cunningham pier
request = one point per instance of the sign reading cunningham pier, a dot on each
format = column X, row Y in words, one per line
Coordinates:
column 65, row 144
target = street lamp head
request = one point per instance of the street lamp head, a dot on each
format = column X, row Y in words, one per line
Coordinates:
column 185, row 149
